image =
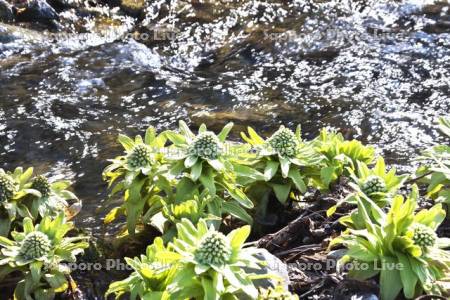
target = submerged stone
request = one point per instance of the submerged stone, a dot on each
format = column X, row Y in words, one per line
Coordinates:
column 38, row 11
column 6, row 12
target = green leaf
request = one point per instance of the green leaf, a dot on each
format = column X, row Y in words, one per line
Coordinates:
column 26, row 176
column 56, row 281
column 271, row 169
column 239, row 236
column 175, row 138
column 184, row 129
column 61, row 185
column 236, row 211
column 331, row 210
column 150, row 135
column 281, row 191
column 257, row 140
column 285, row 164
column 216, row 164
column 294, row 174
column 202, row 128
column 390, row 282
column 126, row 142
column 225, row 131
column 185, row 189
column 444, row 125
column 327, row 175
column 190, row 161
column 248, row 172
column 208, row 288
column 208, row 182
column 35, row 268
column 298, row 132
column 239, row 196
column 113, row 214
column 28, row 225
column 196, row 171
column 408, row 277
column 5, row 242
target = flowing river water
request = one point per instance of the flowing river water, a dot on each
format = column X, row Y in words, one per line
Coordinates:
column 377, row 70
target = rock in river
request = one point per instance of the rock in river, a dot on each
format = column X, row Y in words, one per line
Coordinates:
column 38, row 11
column 6, row 12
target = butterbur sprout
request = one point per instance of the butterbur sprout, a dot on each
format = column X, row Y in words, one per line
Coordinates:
column 35, row 245
column 213, row 249
column 139, row 157
column 41, row 184
column 7, row 188
column 424, row 236
column 374, row 184
column 284, row 142
column 206, row 145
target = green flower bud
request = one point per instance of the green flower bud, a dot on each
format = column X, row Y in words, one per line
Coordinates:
column 424, row 236
column 213, row 249
column 139, row 157
column 206, row 145
column 35, row 245
column 277, row 293
column 284, row 142
column 374, row 184
column 41, row 184
column 7, row 188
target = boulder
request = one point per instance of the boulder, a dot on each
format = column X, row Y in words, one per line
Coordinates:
column 38, row 11
column 273, row 265
column 6, row 12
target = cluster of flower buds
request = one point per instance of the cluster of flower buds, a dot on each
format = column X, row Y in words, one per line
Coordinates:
column 206, row 145
column 213, row 249
column 35, row 245
column 284, row 142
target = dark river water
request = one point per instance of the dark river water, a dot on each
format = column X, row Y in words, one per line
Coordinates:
column 379, row 71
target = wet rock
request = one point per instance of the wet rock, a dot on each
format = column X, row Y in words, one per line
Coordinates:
column 364, row 297
column 38, row 11
column 6, row 12
column 273, row 266
column 436, row 8
column 336, row 254
column 438, row 27
column 61, row 4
